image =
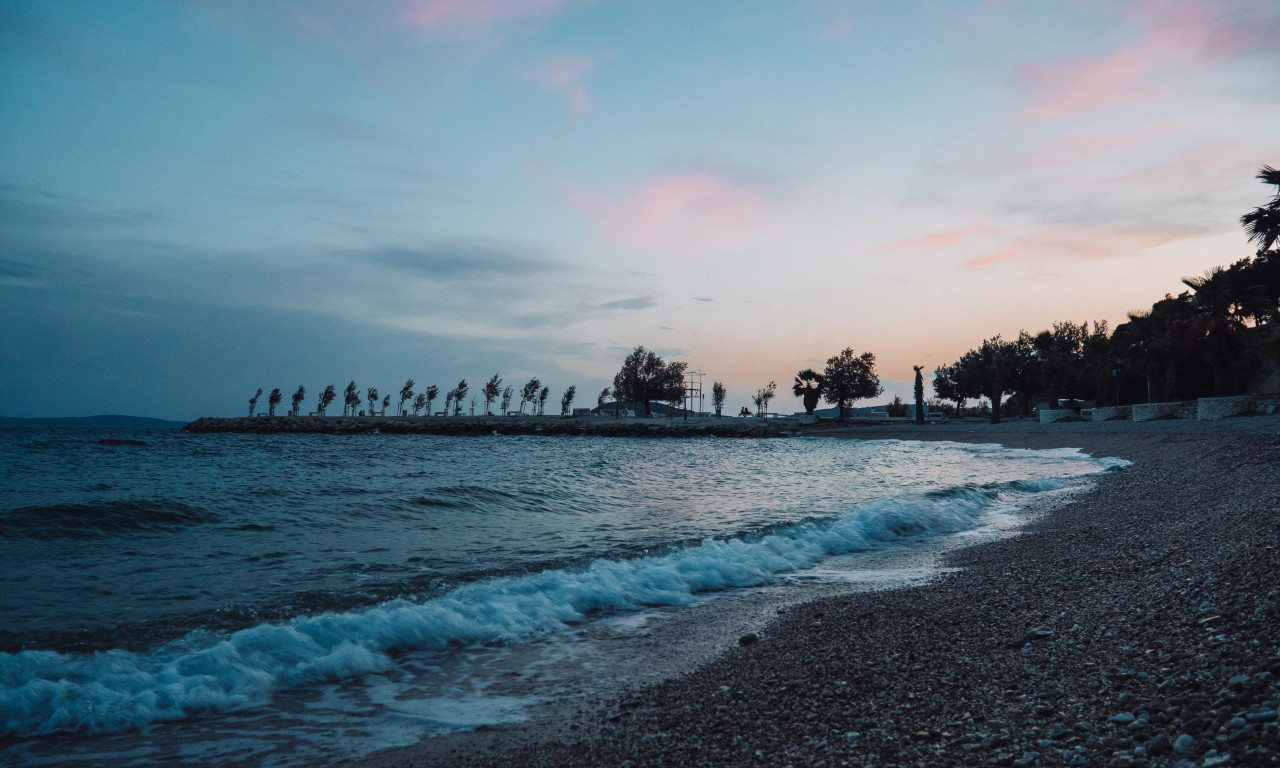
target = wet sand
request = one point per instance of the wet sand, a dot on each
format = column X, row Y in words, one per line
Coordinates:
column 1136, row 624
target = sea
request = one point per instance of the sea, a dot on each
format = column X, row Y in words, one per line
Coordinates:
column 287, row 600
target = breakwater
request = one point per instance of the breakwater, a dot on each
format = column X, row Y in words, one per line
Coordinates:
column 489, row 425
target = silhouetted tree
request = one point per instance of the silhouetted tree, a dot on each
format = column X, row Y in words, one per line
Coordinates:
column 953, row 382
column 386, row 403
column 1215, row 330
column 1262, row 224
column 543, row 394
column 371, row 395
column 473, row 405
column 432, row 393
column 448, row 402
column 459, row 394
column 406, row 393
column 896, row 407
column 808, row 386
column 351, row 399
column 850, row 377
column 419, row 403
column 644, row 377
column 919, row 392
column 718, row 393
column 327, row 397
column 764, row 395
column 507, row 392
column 297, row 399
column 492, row 389
column 529, row 392
column 566, row 400
column 600, row 399
column 273, row 400
column 253, row 401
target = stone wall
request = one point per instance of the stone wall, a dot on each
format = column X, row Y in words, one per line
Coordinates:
column 1213, row 408
column 1153, row 411
column 1112, row 413
column 1050, row 415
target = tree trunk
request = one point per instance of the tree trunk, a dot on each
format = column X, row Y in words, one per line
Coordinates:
column 648, row 414
column 997, row 394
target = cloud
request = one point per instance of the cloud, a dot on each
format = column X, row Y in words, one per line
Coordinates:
column 564, row 74
column 1177, row 39
column 990, row 259
column 467, row 18
column 639, row 302
column 939, row 240
column 681, row 210
column 31, row 207
column 702, row 298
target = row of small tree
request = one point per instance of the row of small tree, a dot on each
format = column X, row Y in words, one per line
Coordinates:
column 1208, row 340
column 533, row 393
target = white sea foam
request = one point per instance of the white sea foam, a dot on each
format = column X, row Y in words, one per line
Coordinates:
column 44, row 692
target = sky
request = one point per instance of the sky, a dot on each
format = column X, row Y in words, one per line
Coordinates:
column 203, row 197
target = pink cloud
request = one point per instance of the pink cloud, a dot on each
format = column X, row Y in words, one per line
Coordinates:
column 938, row 240
column 991, row 259
column 687, row 209
column 1178, row 38
column 564, row 74
column 467, row 17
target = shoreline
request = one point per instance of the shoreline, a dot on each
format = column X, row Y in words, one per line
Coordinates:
column 1158, row 586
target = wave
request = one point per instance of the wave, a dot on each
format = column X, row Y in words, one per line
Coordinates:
column 101, row 519
column 44, row 692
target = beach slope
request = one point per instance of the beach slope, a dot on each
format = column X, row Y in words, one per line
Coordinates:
column 1137, row 624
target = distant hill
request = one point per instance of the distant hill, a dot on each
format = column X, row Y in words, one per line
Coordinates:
column 91, row 422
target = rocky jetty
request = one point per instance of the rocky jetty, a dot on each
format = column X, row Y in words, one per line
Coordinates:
column 491, row 425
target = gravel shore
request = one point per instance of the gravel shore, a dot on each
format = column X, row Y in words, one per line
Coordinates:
column 1137, row 624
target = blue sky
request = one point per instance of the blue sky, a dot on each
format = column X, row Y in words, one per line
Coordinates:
column 201, row 198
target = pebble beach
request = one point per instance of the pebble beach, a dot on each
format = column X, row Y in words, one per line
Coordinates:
column 1136, row 624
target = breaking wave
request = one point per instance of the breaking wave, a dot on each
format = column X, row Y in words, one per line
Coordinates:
column 45, row 692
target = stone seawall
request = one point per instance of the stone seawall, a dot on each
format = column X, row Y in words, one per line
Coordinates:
column 482, row 425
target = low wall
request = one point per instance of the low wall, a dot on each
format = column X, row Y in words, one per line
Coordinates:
column 1048, row 416
column 1213, row 408
column 1112, row 413
column 1153, row 411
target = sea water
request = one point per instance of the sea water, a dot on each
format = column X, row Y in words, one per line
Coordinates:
column 268, row 599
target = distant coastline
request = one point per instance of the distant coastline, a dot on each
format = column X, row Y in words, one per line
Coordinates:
column 90, row 422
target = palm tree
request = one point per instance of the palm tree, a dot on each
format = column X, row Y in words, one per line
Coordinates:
column 600, row 399
column 448, row 401
column 253, row 401
column 386, row 402
column 507, row 393
column 492, row 389
column 432, row 393
column 297, row 399
column 371, row 394
column 566, row 400
column 543, row 394
column 919, row 392
column 1262, row 224
column 808, row 386
column 406, row 393
column 1216, row 327
column 329, row 394
column 419, row 403
column 273, row 400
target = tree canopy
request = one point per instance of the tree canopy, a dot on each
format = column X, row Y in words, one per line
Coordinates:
column 850, row 376
column 644, row 377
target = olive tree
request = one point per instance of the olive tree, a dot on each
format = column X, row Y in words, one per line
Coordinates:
column 850, row 376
